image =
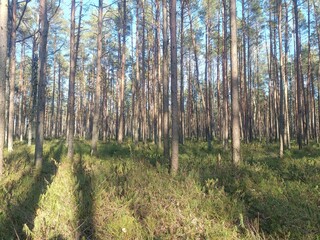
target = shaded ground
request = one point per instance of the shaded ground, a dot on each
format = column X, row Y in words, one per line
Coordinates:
column 126, row 193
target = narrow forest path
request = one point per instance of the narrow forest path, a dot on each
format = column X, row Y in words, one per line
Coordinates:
column 22, row 188
column 126, row 192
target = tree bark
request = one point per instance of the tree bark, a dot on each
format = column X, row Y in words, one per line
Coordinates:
column 166, row 147
column 298, row 76
column 72, row 75
column 234, row 86
column 225, row 123
column 282, row 73
column 3, row 67
column 122, row 80
column 96, row 115
column 44, row 28
column 174, row 90
column 12, row 74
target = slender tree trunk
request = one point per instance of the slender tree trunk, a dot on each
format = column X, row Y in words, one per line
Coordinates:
column 298, row 76
column 174, row 90
column 286, row 103
column 72, row 75
column 181, row 132
column 207, row 105
column 22, row 94
column 143, row 82
column 44, row 28
column 282, row 73
column 58, row 123
column 218, row 80
column 96, row 115
column 158, row 69
column 166, row 147
column 123, row 65
column 52, row 123
column 3, row 62
column 34, row 92
column 225, row 123
column 308, row 104
column 234, row 86
column 12, row 75
column 137, row 81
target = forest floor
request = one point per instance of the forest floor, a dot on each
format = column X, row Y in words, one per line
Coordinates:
column 126, row 193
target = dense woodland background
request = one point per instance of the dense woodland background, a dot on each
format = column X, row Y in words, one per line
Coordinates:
column 93, row 90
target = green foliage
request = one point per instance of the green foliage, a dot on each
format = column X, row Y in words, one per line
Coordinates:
column 127, row 193
column 21, row 187
column 57, row 213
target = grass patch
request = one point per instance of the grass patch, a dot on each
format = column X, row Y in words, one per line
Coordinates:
column 126, row 193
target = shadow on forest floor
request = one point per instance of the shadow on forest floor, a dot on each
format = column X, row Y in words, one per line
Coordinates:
column 85, row 192
column 23, row 188
column 280, row 196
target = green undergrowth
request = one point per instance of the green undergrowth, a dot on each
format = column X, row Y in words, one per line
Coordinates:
column 125, row 192
column 57, row 213
column 281, row 196
column 21, row 187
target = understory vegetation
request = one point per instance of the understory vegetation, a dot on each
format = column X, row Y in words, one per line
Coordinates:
column 126, row 193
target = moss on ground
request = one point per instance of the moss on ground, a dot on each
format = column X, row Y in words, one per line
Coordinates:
column 126, row 193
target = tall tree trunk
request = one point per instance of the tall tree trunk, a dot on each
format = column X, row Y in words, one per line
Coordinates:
column 166, row 147
column 96, row 115
column 52, row 123
column 122, row 82
column 286, row 103
column 181, row 132
column 22, row 89
column 298, row 76
column 282, row 73
column 158, row 69
column 308, row 103
column 3, row 62
column 72, row 75
column 234, row 86
column 174, row 90
column 207, row 104
column 58, row 123
column 245, row 101
column 12, row 74
column 143, row 82
column 44, row 28
column 225, row 123
column 137, row 82
column 34, row 91
column 218, row 79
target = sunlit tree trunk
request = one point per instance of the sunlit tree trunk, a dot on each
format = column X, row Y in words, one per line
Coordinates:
column 287, row 139
column 22, row 90
column 122, row 80
column 44, row 28
column 143, row 82
column 34, row 91
column 12, row 74
column 137, row 103
column 96, row 115
column 52, row 123
column 298, row 76
column 181, row 129
column 166, row 147
column 70, row 115
column 225, row 122
column 174, row 90
column 282, row 73
column 3, row 62
column 234, row 86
